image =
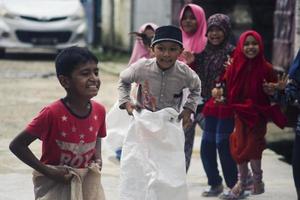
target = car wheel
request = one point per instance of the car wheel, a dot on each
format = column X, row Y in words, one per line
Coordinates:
column 2, row 52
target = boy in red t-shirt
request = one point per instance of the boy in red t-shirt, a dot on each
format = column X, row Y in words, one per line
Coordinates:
column 70, row 128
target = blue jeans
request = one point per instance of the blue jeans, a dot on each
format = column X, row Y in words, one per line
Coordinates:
column 215, row 139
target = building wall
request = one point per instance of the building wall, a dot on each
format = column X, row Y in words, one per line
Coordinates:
column 284, row 34
column 119, row 17
column 297, row 27
column 116, row 23
column 156, row 11
column 245, row 15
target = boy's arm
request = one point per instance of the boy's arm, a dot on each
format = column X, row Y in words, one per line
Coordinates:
column 98, row 154
column 194, row 86
column 193, row 98
column 124, row 85
column 20, row 147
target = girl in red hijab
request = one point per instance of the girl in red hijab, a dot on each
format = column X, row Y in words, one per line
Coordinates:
column 252, row 109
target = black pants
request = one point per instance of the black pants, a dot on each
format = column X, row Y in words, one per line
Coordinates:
column 296, row 161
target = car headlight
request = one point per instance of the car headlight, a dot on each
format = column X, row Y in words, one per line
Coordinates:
column 6, row 14
column 79, row 15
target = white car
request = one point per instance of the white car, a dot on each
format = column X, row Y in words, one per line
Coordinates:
column 34, row 25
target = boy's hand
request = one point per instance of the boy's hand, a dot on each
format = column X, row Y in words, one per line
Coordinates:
column 99, row 162
column 130, row 107
column 185, row 115
column 60, row 175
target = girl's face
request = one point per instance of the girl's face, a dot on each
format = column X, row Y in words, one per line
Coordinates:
column 215, row 36
column 149, row 33
column 166, row 54
column 189, row 22
column 84, row 81
column 251, row 47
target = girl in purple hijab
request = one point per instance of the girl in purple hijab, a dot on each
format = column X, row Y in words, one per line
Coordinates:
column 210, row 66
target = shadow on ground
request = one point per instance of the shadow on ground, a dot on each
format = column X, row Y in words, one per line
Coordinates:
column 284, row 148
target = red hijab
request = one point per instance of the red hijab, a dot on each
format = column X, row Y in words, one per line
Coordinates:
column 244, row 81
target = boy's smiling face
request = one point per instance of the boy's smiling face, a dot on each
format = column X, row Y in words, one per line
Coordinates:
column 166, row 53
column 84, row 81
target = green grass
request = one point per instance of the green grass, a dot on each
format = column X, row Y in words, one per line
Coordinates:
column 115, row 56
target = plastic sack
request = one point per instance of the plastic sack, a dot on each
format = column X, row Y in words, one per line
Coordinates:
column 153, row 161
column 117, row 125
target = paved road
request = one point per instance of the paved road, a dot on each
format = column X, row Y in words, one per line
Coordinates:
column 25, row 86
column 277, row 177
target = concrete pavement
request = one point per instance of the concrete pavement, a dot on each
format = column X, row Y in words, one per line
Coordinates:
column 16, row 184
column 277, row 174
column 15, row 176
column 277, row 177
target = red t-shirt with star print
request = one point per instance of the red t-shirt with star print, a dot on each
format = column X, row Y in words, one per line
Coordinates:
column 68, row 139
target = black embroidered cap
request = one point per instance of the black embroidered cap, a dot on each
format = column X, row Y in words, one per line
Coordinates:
column 167, row 33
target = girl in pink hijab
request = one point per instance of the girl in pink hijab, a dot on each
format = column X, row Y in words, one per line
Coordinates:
column 193, row 26
column 141, row 48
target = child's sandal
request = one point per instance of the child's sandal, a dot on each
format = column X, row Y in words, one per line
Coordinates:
column 213, row 191
column 258, row 188
column 237, row 192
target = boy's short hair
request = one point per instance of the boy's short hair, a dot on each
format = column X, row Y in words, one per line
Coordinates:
column 167, row 33
column 70, row 58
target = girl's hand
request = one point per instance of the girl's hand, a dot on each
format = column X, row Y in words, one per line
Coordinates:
column 188, row 56
column 228, row 62
column 217, row 94
column 282, row 81
column 270, row 88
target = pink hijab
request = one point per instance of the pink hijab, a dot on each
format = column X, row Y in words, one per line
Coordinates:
column 197, row 41
column 139, row 50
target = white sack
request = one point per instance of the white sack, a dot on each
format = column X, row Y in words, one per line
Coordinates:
column 117, row 124
column 153, row 161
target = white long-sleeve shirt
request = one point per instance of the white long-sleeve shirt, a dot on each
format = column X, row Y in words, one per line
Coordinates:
column 165, row 86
